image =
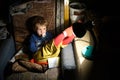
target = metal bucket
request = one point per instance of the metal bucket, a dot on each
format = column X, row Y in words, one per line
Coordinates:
column 76, row 11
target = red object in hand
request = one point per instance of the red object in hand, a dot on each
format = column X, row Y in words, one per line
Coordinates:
column 69, row 31
column 32, row 61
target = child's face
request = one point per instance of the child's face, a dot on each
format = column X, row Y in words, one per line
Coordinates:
column 41, row 30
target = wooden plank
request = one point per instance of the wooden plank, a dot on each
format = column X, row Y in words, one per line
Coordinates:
column 66, row 13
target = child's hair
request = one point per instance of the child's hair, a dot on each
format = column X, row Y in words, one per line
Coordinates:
column 39, row 20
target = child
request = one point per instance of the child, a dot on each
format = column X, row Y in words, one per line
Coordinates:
column 40, row 35
column 52, row 49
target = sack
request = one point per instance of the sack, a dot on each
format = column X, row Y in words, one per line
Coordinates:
column 23, row 66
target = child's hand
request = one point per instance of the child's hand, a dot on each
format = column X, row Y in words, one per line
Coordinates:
column 44, row 34
column 68, row 31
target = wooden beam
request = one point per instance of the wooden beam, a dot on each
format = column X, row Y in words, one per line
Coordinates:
column 66, row 13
